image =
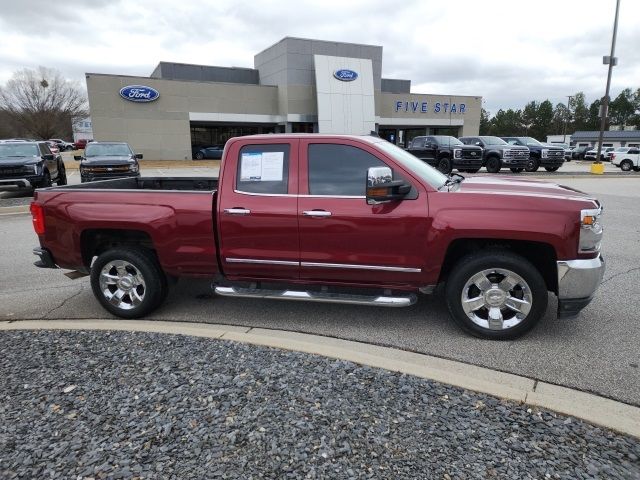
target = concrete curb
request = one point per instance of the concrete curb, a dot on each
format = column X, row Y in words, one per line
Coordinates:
column 601, row 411
column 16, row 210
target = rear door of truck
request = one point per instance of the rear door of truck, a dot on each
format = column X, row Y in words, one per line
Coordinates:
column 257, row 210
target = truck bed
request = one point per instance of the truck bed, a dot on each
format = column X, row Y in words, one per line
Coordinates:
column 194, row 184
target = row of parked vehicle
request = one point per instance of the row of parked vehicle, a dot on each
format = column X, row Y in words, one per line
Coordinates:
column 470, row 154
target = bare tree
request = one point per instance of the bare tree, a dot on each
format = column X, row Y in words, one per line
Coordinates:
column 43, row 102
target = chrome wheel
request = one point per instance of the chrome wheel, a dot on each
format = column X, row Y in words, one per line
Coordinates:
column 496, row 299
column 122, row 284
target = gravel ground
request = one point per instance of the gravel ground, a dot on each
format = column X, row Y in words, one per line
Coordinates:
column 137, row 405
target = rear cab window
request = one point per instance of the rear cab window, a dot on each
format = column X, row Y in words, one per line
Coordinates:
column 263, row 169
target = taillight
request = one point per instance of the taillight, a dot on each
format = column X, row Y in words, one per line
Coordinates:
column 37, row 214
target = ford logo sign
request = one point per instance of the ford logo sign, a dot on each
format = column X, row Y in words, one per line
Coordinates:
column 345, row 75
column 139, row 93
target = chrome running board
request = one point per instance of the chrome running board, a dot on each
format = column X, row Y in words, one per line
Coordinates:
column 381, row 301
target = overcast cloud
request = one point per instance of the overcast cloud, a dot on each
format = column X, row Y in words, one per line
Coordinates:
column 508, row 52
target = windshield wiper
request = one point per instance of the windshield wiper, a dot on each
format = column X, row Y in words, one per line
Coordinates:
column 453, row 179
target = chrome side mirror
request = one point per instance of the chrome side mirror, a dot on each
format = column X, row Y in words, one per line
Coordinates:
column 382, row 188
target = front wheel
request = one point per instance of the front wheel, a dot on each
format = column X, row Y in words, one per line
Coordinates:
column 493, row 165
column 46, row 180
column 128, row 282
column 551, row 169
column 199, row 156
column 62, row 175
column 516, row 169
column 532, row 165
column 626, row 165
column 445, row 166
column 496, row 295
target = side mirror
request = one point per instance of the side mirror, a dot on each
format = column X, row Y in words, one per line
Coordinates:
column 382, row 188
column 48, row 156
column 428, row 145
column 139, row 156
column 478, row 144
column 77, row 157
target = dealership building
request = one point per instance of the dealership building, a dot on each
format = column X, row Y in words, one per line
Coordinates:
column 296, row 85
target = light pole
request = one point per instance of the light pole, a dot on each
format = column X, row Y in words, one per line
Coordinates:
column 597, row 166
column 566, row 119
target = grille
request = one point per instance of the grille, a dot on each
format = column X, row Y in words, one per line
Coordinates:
column 556, row 153
column 519, row 153
column 471, row 154
column 119, row 168
column 9, row 171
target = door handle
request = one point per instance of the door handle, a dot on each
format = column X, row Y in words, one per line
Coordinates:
column 316, row 213
column 237, row 211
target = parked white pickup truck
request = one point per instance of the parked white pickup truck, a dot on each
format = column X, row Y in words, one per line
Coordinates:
column 627, row 161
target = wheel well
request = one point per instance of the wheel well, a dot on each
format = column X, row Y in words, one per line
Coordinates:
column 443, row 155
column 95, row 242
column 541, row 255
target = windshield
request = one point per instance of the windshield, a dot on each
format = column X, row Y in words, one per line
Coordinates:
column 107, row 150
column 19, row 150
column 423, row 170
column 530, row 141
column 493, row 141
column 446, row 140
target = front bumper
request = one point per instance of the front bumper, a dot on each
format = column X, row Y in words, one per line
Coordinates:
column 578, row 281
column 552, row 162
column 515, row 162
column 26, row 181
column 468, row 163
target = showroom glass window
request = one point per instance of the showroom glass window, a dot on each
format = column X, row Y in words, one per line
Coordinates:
column 339, row 170
column 263, row 169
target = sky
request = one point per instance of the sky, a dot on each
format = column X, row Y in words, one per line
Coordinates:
column 508, row 52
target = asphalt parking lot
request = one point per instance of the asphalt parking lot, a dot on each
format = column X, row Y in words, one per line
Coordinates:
column 597, row 352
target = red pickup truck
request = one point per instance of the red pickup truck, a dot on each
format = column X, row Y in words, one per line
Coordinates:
column 325, row 218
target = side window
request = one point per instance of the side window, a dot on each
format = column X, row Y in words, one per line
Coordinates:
column 44, row 149
column 417, row 142
column 263, row 169
column 336, row 170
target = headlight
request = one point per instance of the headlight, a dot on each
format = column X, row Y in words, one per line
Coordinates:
column 590, row 230
column 545, row 153
column 30, row 168
column 506, row 152
column 457, row 153
column 134, row 167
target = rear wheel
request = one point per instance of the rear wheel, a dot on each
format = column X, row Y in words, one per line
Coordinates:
column 444, row 165
column 516, row 169
column 551, row 169
column 496, row 295
column 128, row 282
column 532, row 165
column 626, row 165
column 493, row 165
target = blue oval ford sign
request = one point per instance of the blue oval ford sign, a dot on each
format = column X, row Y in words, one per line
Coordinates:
column 345, row 75
column 139, row 93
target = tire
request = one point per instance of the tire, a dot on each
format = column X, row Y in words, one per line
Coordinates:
column 493, row 165
column 528, row 294
column 199, row 155
column 532, row 165
column 516, row 169
column 551, row 169
column 444, row 165
column 62, row 175
column 626, row 165
column 131, row 276
column 636, row 169
column 46, row 180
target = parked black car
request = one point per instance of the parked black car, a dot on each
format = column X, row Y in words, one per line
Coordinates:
column 551, row 158
column 30, row 165
column 446, row 153
column 497, row 154
column 212, row 152
column 106, row 160
column 578, row 153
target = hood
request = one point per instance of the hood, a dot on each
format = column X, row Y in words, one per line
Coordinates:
column 468, row 147
column 522, row 187
column 507, row 147
column 9, row 161
column 108, row 160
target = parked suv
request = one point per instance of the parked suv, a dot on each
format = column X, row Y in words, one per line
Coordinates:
column 551, row 158
column 627, row 160
column 104, row 160
column 497, row 153
column 30, row 165
column 446, row 153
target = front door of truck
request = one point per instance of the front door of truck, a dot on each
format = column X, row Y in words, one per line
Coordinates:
column 342, row 239
column 257, row 210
